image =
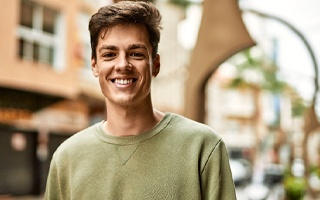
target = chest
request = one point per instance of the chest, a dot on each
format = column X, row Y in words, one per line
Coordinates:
column 136, row 172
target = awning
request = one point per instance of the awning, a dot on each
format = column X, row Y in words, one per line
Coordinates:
column 25, row 100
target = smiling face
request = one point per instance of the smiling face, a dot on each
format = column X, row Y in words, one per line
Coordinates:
column 124, row 64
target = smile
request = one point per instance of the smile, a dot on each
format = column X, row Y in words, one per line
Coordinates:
column 124, row 81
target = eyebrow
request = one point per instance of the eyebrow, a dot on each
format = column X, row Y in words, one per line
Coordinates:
column 110, row 47
column 137, row 46
column 131, row 46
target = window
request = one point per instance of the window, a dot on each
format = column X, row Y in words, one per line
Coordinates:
column 48, row 20
column 39, row 34
column 26, row 14
column 83, row 36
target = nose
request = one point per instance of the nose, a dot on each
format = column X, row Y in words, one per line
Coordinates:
column 122, row 63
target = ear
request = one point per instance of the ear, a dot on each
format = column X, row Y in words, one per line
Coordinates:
column 94, row 67
column 156, row 66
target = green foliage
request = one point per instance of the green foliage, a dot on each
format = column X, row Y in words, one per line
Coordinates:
column 237, row 83
column 295, row 187
column 181, row 3
column 314, row 169
column 268, row 78
column 271, row 81
column 298, row 107
column 265, row 70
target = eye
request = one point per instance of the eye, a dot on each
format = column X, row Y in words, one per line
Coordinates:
column 109, row 55
column 137, row 55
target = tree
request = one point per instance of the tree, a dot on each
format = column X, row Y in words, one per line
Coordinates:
column 311, row 121
column 254, row 71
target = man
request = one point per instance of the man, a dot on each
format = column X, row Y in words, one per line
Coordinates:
column 137, row 152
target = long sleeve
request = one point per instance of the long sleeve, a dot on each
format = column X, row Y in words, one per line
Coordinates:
column 164, row 163
column 53, row 188
column 216, row 177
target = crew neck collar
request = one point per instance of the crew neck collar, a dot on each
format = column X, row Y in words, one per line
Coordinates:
column 128, row 140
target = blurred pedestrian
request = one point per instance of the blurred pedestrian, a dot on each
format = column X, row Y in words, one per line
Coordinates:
column 137, row 152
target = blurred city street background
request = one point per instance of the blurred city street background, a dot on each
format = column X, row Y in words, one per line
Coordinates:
column 247, row 68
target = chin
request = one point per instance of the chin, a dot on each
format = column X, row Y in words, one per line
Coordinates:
column 123, row 101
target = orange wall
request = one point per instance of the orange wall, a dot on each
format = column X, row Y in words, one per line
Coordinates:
column 26, row 75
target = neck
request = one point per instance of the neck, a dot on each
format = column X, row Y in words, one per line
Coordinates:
column 135, row 120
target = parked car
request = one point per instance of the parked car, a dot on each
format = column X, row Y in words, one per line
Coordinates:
column 257, row 191
column 241, row 171
column 273, row 174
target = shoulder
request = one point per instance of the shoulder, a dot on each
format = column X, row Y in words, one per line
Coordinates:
column 81, row 137
column 194, row 130
column 192, row 127
column 77, row 142
column 196, row 139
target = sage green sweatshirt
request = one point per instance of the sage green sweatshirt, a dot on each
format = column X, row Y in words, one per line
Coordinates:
column 177, row 159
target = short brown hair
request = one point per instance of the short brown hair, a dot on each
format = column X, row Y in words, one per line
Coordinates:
column 126, row 12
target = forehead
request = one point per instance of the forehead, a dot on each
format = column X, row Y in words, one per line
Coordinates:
column 124, row 34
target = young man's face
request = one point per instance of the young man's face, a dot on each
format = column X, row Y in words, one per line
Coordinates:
column 124, row 64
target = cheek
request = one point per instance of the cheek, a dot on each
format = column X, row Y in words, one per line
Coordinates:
column 104, row 70
column 103, row 85
column 103, row 74
column 102, row 82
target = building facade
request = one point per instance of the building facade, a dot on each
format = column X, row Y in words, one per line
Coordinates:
column 47, row 91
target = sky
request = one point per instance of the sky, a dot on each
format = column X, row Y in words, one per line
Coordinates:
column 293, row 58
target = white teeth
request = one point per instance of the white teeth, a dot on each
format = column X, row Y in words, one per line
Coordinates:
column 123, row 81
